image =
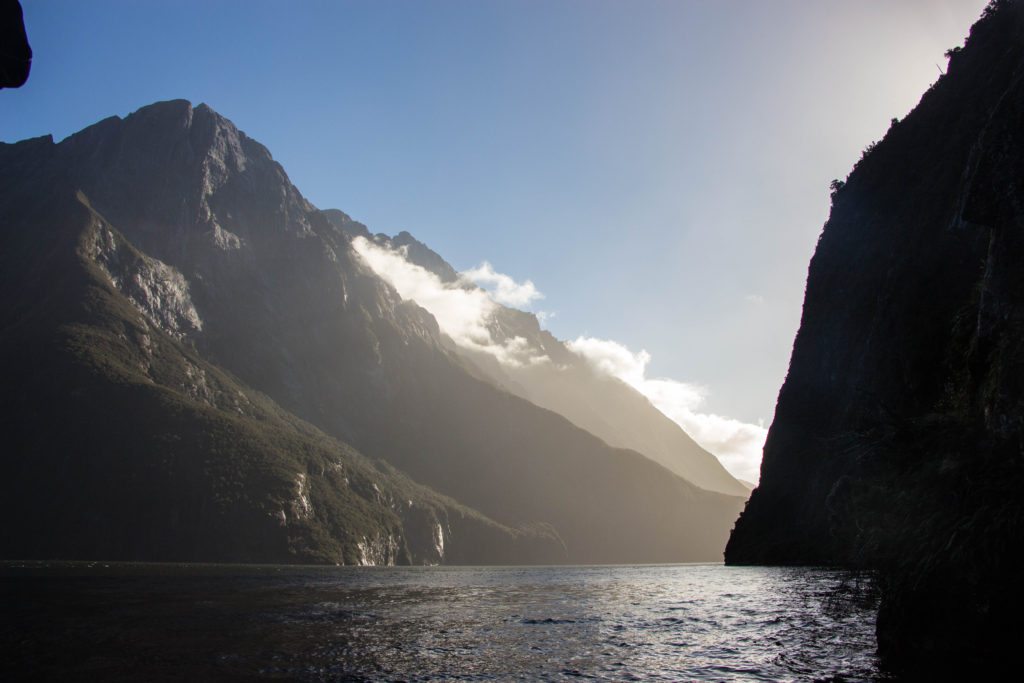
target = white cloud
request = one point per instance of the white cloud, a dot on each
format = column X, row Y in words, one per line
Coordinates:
column 737, row 445
column 463, row 313
column 754, row 299
column 544, row 316
column 612, row 358
column 502, row 288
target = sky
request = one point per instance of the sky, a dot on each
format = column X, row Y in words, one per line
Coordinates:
column 658, row 171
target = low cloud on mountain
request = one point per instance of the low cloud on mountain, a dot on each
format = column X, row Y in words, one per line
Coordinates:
column 464, row 312
column 736, row 444
column 502, row 288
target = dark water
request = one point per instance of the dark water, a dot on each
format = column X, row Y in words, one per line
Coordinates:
column 672, row 623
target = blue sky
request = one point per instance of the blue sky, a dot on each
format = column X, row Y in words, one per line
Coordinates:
column 659, row 170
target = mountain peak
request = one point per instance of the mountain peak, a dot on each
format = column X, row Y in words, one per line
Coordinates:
column 170, row 172
column 419, row 253
column 176, row 106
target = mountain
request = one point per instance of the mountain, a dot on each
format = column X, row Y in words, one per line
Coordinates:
column 122, row 442
column 565, row 382
column 897, row 440
column 198, row 366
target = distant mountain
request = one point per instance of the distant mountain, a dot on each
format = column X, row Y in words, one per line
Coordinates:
column 567, row 384
column 898, row 440
column 195, row 358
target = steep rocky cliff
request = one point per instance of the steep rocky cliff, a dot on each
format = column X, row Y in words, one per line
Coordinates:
column 183, row 329
column 897, row 440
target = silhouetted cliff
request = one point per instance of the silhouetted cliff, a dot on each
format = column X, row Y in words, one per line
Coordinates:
column 15, row 52
column 898, row 440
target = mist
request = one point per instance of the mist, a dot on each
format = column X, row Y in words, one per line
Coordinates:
column 596, row 383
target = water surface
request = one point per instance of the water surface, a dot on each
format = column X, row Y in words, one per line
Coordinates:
column 673, row 623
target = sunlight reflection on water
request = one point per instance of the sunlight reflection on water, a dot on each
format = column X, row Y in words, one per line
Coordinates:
column 689, row 622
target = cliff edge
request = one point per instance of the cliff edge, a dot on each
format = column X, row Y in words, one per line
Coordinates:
column 898, row 440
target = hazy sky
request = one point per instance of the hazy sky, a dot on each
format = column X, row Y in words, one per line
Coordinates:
column 659, row 170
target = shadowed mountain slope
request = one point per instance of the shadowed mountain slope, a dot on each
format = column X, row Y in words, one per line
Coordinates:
column 249, row 283
column 122, row 442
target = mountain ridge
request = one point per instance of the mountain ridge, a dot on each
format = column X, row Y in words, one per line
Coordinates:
column 565, row 383
column 278, row 303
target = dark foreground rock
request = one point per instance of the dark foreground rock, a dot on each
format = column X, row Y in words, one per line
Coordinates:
column 898, row 441
column 15, row 52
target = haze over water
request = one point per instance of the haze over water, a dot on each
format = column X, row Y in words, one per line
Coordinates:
column 682, row 622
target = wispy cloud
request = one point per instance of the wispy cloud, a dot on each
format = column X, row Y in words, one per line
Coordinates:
column 465, row 313
column 462, row 313
column 502, row 288
column 544, row 316
column 736, row 444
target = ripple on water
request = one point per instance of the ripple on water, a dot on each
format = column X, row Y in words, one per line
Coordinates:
column 701, row 623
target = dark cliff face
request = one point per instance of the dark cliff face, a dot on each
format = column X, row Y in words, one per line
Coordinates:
column 16, row 53
column 209, row 254
column 897, row 438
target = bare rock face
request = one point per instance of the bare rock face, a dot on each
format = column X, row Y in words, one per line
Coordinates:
column 159, row 291
column 897, row 438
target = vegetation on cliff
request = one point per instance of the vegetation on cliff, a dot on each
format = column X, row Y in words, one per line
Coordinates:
column 898, row 442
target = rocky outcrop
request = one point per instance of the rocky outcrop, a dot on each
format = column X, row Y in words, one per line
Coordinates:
column 159, row 291
column 897, row 438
